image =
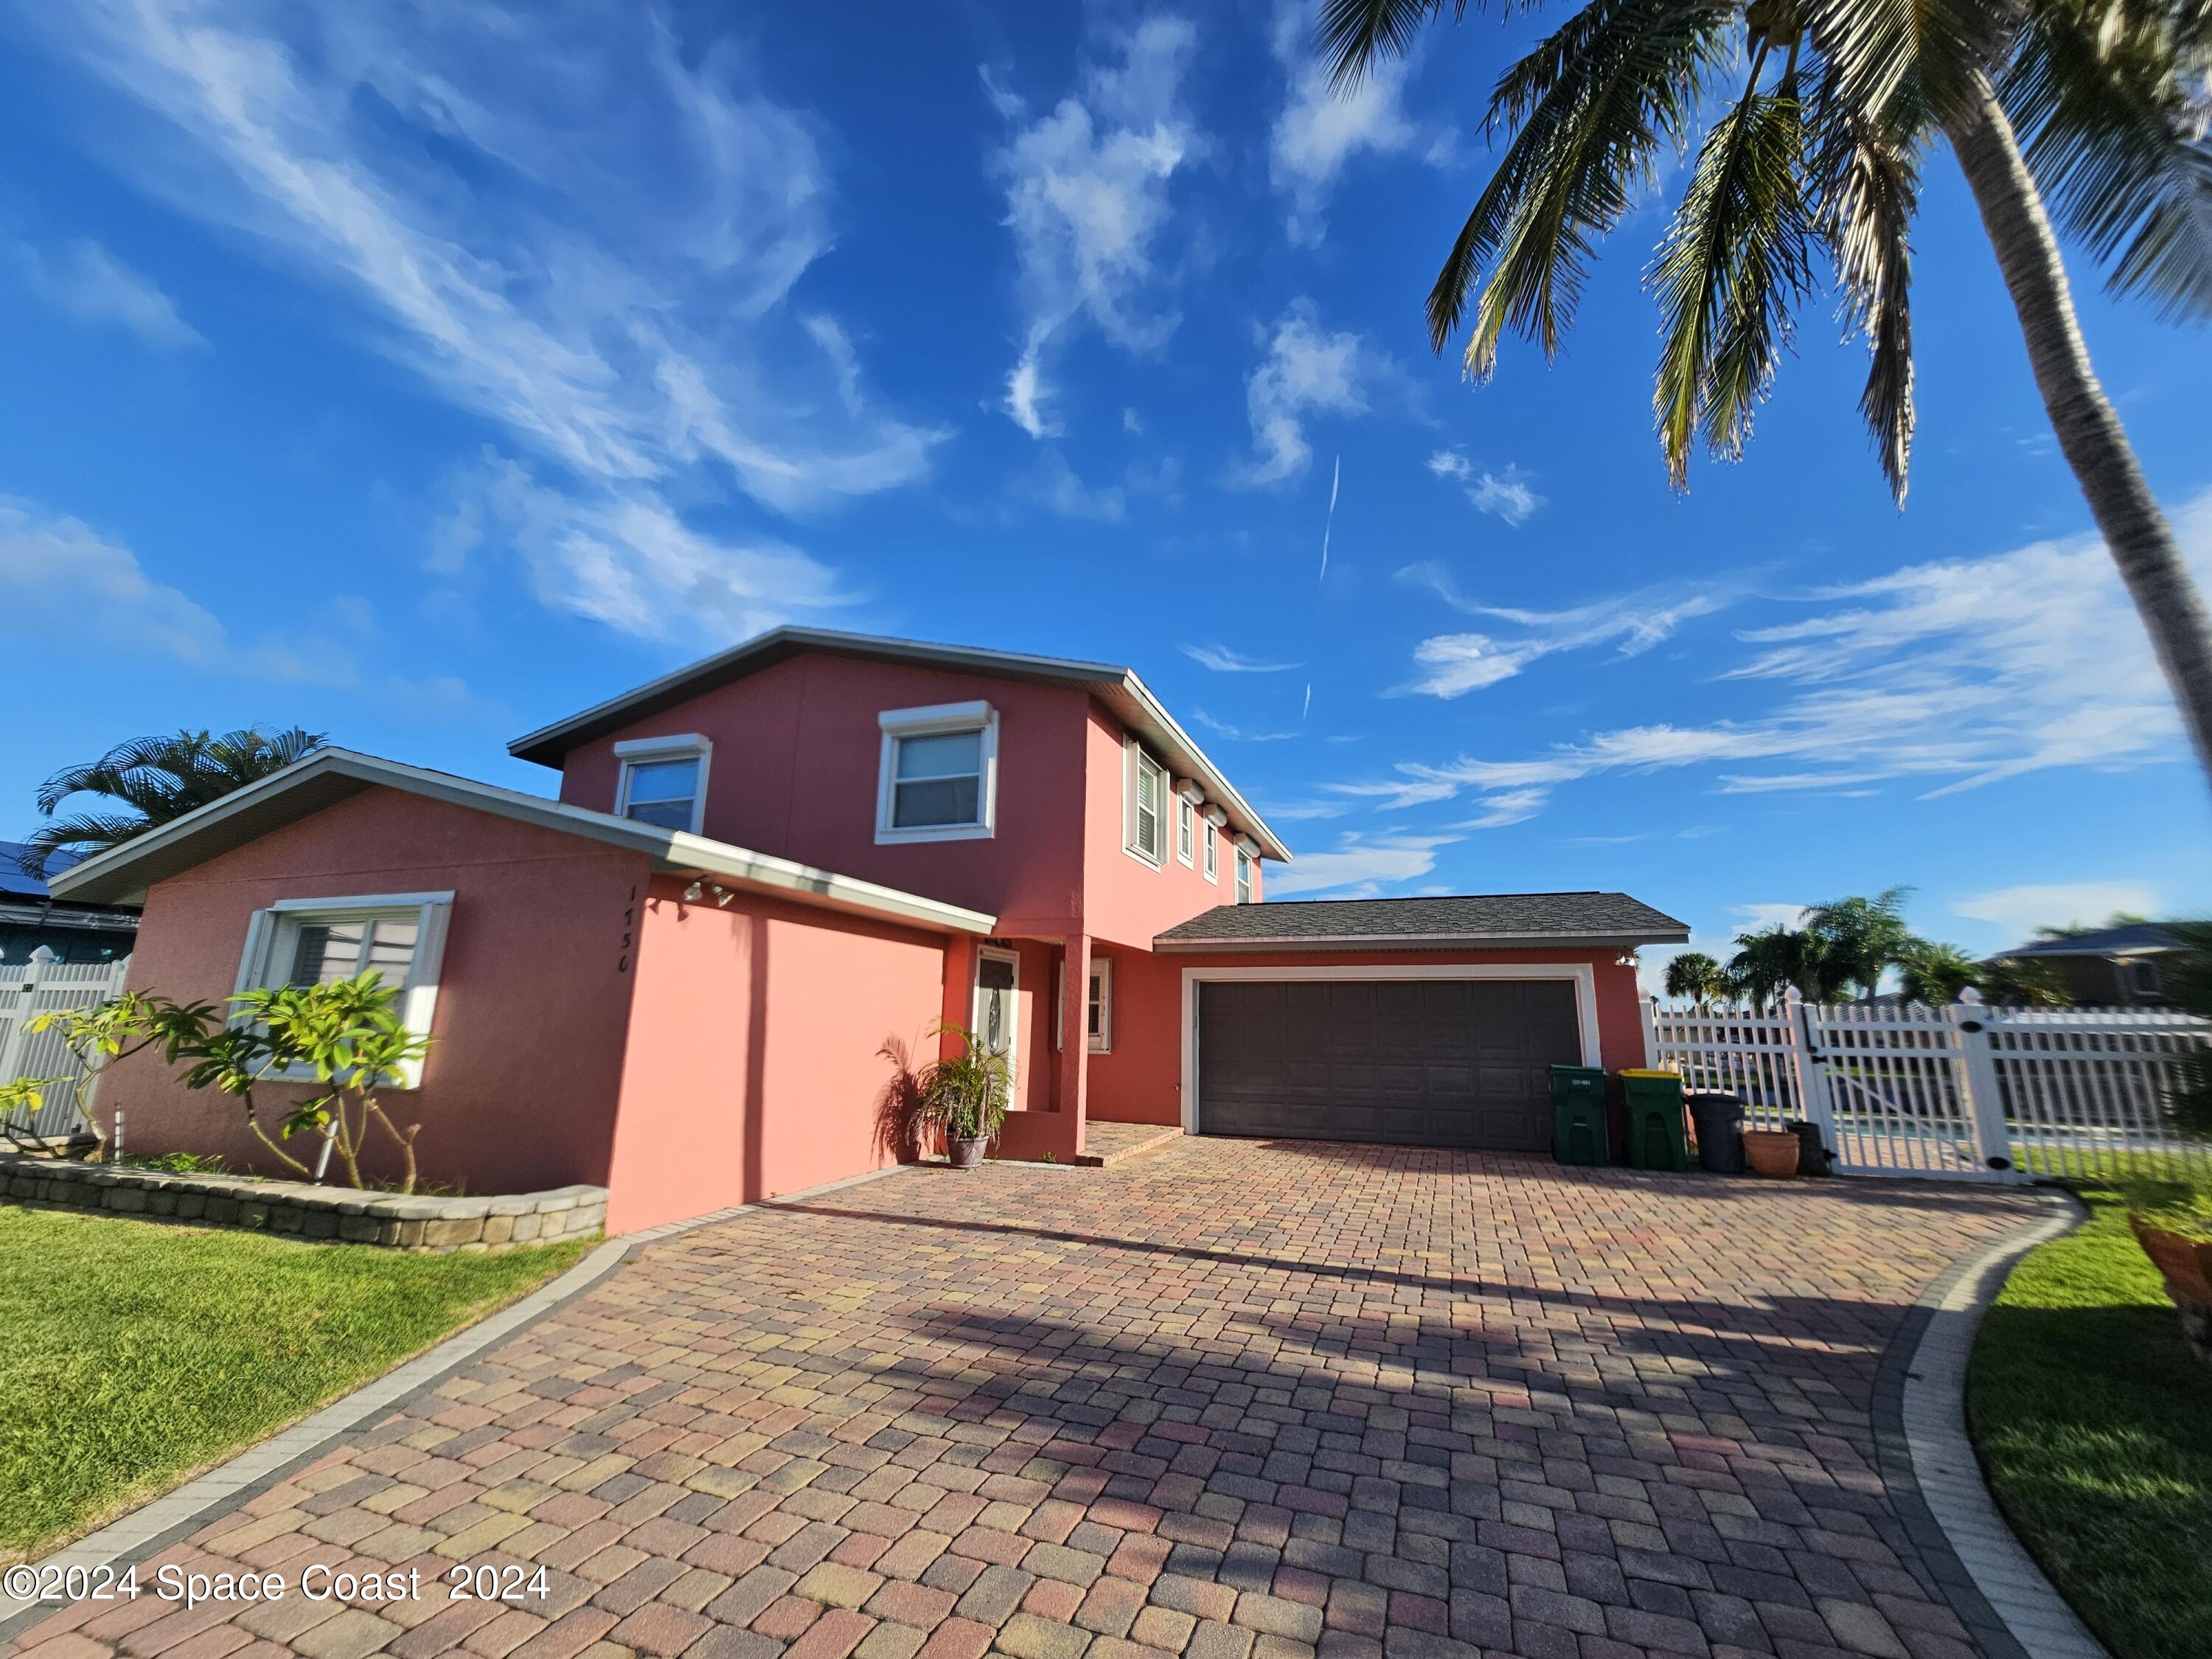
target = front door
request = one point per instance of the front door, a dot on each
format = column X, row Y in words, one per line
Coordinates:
column 997, row 1007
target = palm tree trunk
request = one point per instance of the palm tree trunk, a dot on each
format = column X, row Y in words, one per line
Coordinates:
column 2089, row 433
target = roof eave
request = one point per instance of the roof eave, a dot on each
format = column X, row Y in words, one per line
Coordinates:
column 1617, row 939
column 119, row 874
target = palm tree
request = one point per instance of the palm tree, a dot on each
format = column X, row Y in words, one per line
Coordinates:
column 1935, row 974
column 2021, row 982
column 1769, row 961
column 1861, row 937
column 156, row 779
column 1697, row 977
column 1817, row 149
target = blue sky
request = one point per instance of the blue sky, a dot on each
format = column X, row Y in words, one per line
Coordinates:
column 421, row 373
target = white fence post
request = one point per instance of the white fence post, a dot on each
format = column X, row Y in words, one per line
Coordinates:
column 1805, row 1059
column 1984, row 1092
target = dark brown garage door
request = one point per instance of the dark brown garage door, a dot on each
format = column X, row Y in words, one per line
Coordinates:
column 1419, row 1062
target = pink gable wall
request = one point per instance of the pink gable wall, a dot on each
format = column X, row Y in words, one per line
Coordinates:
column 753, row 1066
column 533, row 1001
column 797, row 749
column 1125, row 901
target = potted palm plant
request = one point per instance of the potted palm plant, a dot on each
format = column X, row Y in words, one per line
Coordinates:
column 964, row 1098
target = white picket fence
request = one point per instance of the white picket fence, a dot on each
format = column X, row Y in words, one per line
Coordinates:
column 35, row 988
column 1965, row 1091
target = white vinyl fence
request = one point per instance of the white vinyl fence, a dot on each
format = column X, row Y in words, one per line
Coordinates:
column 33, row 989
column 1963, row 1091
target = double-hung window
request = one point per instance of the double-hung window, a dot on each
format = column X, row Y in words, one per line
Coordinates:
column 1186, row 828
column 1145, row 790
column 664, row 781
column 400, row 937
column 1098, row 1008
column 1213, row 851
column 1244, row 876
column 940, row 774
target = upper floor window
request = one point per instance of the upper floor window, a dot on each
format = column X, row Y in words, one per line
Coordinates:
column 664, row 781
column 939, row 772
column 1244, row 876
column 1212, row 850
column 1186, row 827
column 1145, row 791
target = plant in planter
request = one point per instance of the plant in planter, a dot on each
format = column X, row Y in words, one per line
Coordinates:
column 964, row 1098
column 2171, row 1222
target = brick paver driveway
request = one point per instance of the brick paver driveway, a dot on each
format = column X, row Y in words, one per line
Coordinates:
column 1236, row 1401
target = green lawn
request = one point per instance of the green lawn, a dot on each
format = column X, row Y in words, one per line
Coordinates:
column 2095, row 1426
column 132, row 1353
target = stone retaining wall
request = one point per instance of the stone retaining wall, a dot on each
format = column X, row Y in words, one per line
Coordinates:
column 429, row 1224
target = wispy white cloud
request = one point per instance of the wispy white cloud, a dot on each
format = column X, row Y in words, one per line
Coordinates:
column 1306, row 370
column 1222, row 660
column 56, row 571
column 1453, row 665
column 1943, row 676
column 2018, row 911
column 87, row 284
column 626, row 559
column 621, row 308
column 1359, row 866
column 1088, row 199
column 1507, row 494
column 1237, row 733
column 1321, row 129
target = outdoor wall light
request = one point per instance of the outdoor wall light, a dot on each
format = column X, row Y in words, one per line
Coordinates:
column 691, row 893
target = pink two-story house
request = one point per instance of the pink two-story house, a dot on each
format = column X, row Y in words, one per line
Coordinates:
column 770, row 874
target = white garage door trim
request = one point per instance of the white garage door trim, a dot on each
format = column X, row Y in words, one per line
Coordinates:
column 1582, row 973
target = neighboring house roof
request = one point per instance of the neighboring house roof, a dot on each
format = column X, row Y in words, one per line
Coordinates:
column 1118, row 688
column 121, row 874
column 2137, row 939
column 1470, row 919
column 26, row 899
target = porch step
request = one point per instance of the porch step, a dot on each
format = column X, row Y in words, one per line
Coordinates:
column 1105, row 1143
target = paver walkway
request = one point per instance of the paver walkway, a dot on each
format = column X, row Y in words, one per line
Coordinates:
column 1233, row 1400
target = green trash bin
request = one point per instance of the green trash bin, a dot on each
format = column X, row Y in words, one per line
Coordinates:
column 1656, row 1140
column 1578, row 1114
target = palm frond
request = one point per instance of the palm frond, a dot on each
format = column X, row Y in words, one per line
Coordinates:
column 1903, row 64
column 2113, row 120
column 1592, row 104
column 1866, row 187
column 93, row 832
column 1733, row 265
column 1352, row 33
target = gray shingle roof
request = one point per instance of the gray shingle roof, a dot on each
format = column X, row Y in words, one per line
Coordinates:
column 1461, row 919
column 2105, row 941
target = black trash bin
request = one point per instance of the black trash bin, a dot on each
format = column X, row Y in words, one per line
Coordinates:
column 1719, row 1120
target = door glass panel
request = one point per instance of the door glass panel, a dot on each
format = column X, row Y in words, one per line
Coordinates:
column 994, row 1004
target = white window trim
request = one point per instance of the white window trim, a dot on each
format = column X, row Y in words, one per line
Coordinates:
column 1213, row 852
column 938, row 720
column 272, row 931
column 1246, row 864
column 679, row 745
column 1584, row 975
column 1186, row 830
column 1133, row 756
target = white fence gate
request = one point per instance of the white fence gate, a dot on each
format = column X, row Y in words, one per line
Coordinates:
column 35, row 988
column 1963, row 1091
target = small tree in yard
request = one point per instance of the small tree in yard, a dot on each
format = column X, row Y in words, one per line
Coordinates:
column 347, row 1036
column 1936, row 974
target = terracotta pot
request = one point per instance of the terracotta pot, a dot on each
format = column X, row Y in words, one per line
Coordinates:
column 966, row 1152
column 2185, row 1264
column 1771, row 1153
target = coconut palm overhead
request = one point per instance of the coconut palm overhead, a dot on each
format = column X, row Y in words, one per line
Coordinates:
column 154, row 780
column 1810, row 121
column 1697, row 976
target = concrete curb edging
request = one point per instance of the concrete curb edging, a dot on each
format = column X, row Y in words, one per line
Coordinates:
column 154, row 1526
column 1929, row 1462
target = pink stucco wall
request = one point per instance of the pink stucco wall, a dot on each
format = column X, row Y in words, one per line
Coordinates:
column 752, row 1067
column 1141, row 1080
column 796, row 755
column 1125, row 899
column 532, row 1000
